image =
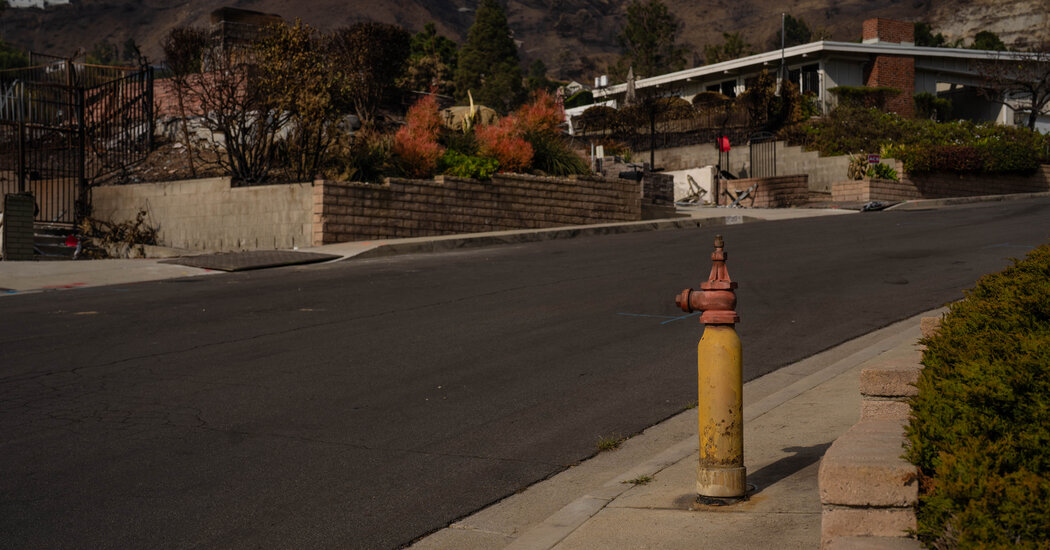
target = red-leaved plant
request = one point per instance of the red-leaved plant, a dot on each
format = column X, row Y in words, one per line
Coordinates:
column 416, row 144
column 503, row 141
column 542, row 114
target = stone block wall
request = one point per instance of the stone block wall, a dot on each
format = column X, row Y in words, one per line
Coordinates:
column 868, row 493
column 658, row 187
column 941, row 185
column 208, row 215
column 775, row 192
column 948, row 184
column 415, row 208
column 873, row 189
column 16, row 241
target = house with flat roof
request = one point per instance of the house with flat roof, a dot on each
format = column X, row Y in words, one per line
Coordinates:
column 887, row 56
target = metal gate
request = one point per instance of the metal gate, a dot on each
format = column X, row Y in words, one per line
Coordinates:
column 65, row 125
column 763, row 147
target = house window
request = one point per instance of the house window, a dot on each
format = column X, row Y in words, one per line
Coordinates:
column 807, row 78
column 810, row 79
column 727, row 88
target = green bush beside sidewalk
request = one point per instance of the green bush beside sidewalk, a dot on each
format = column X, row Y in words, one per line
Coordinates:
column 980, row 431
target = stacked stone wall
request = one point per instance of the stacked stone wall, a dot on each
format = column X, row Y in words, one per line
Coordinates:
column 940, row 185
column 417, row 208
column 775, row 192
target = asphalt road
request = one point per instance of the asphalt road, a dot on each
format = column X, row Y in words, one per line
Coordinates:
column 363, row 404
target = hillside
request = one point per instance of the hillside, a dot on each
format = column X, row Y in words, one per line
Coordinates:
column 575, row 38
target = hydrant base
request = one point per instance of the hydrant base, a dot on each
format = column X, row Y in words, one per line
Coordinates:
column 721, row 482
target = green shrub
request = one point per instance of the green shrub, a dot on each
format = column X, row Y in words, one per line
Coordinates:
column 930, row 106
column 553, row 156
column 365, row 157
column 465, row 142
column 457, row 164
column 882, row 171
column 980, row 428
column 864, row 96
column 925, row 145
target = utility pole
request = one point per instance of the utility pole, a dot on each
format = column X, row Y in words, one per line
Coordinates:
column 781, row 73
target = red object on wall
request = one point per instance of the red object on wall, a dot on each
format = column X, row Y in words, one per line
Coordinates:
column 723, row 144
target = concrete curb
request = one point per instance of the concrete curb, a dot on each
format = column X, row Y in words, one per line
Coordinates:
column 443, row 243
column 928, row 204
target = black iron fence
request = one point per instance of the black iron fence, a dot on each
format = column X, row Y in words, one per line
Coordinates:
column 763, row 150
column 65, row 126
column 686, row 127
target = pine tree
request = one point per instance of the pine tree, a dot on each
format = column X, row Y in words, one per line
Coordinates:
column 650, row 39
column 488, row 66
column 796, row 32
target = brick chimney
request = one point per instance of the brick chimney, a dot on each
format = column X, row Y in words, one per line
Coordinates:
column 893, row 71
column 888, row 30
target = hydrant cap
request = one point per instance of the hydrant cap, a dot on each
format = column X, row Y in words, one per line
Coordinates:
column 719, row 278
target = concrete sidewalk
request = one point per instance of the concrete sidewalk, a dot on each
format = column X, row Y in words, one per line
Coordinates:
column 20, row 277
column 642, row 495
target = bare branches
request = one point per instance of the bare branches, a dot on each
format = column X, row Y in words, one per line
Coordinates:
column 1020, row 80
column 244, row 120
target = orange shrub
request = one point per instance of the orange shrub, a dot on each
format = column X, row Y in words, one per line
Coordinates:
column 504, row 142
column 423, row 116
column 416, row 144
column 542, row 114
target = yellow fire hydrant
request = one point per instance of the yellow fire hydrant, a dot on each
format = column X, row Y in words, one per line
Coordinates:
column 721, row 472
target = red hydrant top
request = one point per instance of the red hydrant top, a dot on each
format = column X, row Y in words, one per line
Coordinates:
column 716, row 298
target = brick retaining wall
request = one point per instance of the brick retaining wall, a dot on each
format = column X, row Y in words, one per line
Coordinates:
column 873, row 189
column 947, row 184
column 209, row 215
column 775, row 192
column 941, row 185
column 345, row 211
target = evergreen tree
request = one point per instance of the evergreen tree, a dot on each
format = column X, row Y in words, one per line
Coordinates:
column 650, row 39
column 732, row 47
column 796, row 32
column 925, row 36
column 12, row 57
column 489, row 67
column 431, row 61
column 988, row 40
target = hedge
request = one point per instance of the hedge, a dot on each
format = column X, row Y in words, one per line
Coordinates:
column 864, row 96
column 980, row 427
column 924, row 145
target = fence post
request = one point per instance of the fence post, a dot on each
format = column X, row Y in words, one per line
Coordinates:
column 21, row 156
column 82, row 207
column 150, row 114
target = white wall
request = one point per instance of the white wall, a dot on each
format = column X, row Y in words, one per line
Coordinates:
column 704, row 177
column 208, row 215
